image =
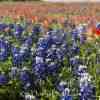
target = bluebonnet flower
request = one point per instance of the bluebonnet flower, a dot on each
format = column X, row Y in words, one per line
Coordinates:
column 98, row 26
column 87, row 90
column 28, row 41
column 39, row 70
column 62, row 88
column 82, row 30
column 57, row 37
column 84, row 78
column 74, row 61
column 3, row 79
column 44, row 43
column 75, row 49
column 50, row 53
column 37, row 28
column 65, row 95
column 39, row 60
column 4, row 46
column 13, row 73
column 2, row 26
column 74, row 34
column 64, row 47
column 24, row 52
column 14, row 50
column 3, row 54
column 19, row 28
column 52, row 68
column 81, row 69
column 16, row 59
column 25, row 78
column 40, row 52
column 60, row 54
column 20, row 54
column 18, row 31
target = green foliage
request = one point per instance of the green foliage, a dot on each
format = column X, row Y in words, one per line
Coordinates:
column 11, row 91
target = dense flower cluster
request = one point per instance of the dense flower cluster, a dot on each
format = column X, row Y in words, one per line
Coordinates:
column 49, row 53
column 37, row 58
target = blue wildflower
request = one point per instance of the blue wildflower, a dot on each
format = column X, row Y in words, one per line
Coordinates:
column 2, row 26
column 18, row 31
column 25, row 78
column 3, row 79
column 28, row 41
column 39, row 70
column 37, row 28
column 4, row 47
column 66, row 97
column 24, row 52
column 98, row 26
column 74, row 35
column 52, row 68
column 13, row 73
column 61, row 86
column 65, row 94
column 17, row 60
column 50, row 53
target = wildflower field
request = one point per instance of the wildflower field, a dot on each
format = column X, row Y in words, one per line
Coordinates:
column 51, row 53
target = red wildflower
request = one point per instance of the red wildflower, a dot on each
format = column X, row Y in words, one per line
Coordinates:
column 96, row 31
